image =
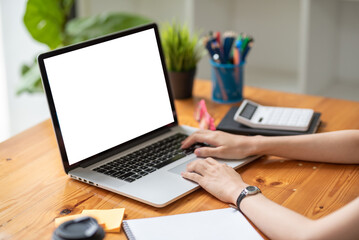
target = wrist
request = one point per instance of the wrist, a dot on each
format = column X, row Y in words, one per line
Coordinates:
column 250, row 202
column 248, row 192
column 236, row 192
column 246, row 145
column 259, row 145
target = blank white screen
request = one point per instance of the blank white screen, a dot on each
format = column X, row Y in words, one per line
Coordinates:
column 108, row 93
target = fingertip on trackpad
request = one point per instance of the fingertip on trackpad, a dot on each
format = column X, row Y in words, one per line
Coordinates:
column 181, row 168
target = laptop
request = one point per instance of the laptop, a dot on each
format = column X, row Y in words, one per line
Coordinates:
column 114, row 116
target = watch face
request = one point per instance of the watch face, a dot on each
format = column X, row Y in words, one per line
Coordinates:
column 251, row 188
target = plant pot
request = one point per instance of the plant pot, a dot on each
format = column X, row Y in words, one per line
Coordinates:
column 182, row 83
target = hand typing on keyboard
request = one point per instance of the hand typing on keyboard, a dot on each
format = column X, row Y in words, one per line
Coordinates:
column 148, row 159
column 193, row 147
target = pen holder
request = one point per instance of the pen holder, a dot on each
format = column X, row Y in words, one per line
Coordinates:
column 227, row 82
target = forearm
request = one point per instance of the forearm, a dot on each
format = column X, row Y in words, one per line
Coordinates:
column 334, row 147
column 278, row 222
column 273, row 220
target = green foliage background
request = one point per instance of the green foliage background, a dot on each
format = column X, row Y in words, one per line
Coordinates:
column 48, row 22
column 181, row 49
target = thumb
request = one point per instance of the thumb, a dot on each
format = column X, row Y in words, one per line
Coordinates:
column 207, row 152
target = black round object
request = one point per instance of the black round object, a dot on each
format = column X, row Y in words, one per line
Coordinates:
column 83, row 228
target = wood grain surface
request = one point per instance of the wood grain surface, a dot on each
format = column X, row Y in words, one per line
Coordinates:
column 34, row 189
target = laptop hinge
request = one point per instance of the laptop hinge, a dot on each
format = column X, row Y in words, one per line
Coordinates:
column 124, row 147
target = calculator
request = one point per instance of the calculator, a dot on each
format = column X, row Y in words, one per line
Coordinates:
column 254, row 115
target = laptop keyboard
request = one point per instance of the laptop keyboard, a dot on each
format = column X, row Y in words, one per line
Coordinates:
column 146, row 160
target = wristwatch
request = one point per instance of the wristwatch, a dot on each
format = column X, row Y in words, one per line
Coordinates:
column 249, row 190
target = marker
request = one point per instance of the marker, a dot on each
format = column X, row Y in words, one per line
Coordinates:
column 237, row 52
column 227, row 45
column 217, row 36
column 246, row 50
column 217, row 53
column 224, row 50
column 207, row 43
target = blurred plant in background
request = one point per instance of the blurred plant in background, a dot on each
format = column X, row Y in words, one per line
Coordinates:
column 49, row 22
column 182, row 49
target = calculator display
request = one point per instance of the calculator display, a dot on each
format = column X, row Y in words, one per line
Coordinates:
column 248, row 111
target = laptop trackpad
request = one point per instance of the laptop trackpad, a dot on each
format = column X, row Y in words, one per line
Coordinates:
column 182, row 167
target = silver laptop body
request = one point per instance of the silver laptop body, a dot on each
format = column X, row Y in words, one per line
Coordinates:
column 110, row 97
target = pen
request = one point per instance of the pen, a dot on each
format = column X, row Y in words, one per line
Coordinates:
column 245, row 41
column 220, row 83
column 208, row 43
column 246, row 50
column 224, row 51
column 227, row 45
column 217, row 36
column 237, row 52
column 217, row 52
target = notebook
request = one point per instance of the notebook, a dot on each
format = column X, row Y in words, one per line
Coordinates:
column 114, row 116
column 227, row 223
column 229, row 125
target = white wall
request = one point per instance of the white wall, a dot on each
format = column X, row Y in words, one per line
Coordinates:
column 276, row 40
column 323, row 45
column 158, row 10
column 348, row 42
column 19, row 47
column 274, row 25
column 4, row 107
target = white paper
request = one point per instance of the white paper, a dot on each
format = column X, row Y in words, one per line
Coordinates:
column 227, row 223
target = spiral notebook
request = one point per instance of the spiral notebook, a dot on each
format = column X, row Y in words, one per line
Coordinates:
column 226, row 223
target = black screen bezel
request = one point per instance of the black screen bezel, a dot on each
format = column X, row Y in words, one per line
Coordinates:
column 55, row 121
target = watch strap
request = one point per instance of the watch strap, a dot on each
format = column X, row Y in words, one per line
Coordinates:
column 240, row 198
column 249, row 190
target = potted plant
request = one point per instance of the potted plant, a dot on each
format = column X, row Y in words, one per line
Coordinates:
column 182, row 52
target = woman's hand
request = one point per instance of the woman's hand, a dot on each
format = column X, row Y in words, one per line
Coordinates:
column 218, row 179
column 223, row 145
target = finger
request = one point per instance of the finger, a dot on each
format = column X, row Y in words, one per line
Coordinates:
column 211, row 161
column 199, row 166
column 198, row 136
column 190, row 166
column 192, row 176
column 208, row 152
column 225, row 165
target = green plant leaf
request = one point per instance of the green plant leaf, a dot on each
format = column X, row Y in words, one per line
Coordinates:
column 30, row 79
column 82, row 29
column 67, row 5
column 45, row 19
column 181, row 49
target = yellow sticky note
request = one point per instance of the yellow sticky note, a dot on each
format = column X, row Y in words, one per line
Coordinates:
column 111, row 218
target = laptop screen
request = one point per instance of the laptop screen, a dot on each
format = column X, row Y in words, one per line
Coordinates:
column 108, row 93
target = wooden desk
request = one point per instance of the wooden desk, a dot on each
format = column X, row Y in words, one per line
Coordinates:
column 34, row 188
